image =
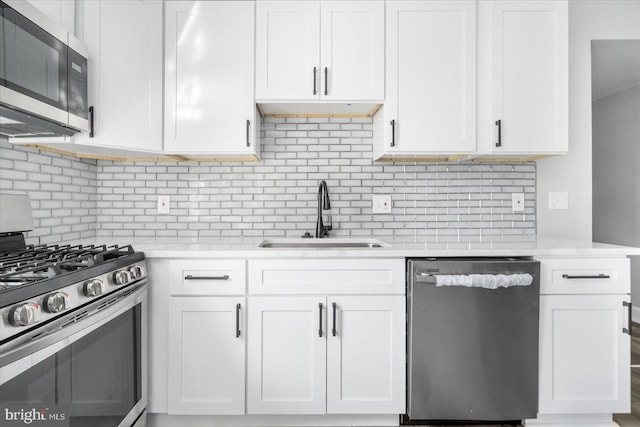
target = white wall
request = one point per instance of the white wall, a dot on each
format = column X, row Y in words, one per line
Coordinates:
column 588, row 20
column 616, row 196
column 616, row 177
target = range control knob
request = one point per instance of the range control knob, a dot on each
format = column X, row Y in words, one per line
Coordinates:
column 135, row 271
column 56, row 302
column 93, row 288
column 24, row 314
column 121, row 277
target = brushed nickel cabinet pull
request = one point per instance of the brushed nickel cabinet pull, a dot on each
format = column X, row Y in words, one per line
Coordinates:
column 320, row 323
column 238, row 306
column 334, row 330
column 326, row 81
column 315, row 70
column 393, row 133
column 248, row 133
column 629, row 306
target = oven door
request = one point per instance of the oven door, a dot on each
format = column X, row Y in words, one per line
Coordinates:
column 91, row 373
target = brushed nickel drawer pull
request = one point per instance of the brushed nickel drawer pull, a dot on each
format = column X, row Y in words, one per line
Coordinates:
column 599, row 276
column 190, row 277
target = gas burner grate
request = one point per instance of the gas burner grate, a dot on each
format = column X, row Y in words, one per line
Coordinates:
column 40, row 262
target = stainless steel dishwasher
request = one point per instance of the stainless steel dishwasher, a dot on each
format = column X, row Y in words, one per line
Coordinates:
column 472, row 339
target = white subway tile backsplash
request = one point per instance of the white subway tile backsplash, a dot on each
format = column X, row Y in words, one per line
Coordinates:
column 63, row 192
column 79, row 199
column 278, row 196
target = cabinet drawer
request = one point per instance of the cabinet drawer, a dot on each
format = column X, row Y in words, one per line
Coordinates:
column 585, row 276
column 206, row 277
column 327, row 276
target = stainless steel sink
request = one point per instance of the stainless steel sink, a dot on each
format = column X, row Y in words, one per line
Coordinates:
column 326, row 243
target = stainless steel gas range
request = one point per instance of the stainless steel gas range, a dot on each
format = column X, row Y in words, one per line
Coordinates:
column 72, row 334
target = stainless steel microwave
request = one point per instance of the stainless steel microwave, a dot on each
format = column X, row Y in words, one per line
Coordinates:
column 43, row 75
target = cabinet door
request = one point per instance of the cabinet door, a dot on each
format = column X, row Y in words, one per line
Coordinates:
column 288, row 50
column 206, row 356
column 286, row 355
column 125, row 73
column 366, row 355
column 61, row 11
column 530, row 76
column 584, row 354
column 352, row 50
column 209, row 77
column 431, row 75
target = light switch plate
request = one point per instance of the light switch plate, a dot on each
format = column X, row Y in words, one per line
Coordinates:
column 558, row 200
column 164, row 204
column 381, row 204
column 517, row 202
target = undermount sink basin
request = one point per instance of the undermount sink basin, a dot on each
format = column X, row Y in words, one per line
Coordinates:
column 328, row 243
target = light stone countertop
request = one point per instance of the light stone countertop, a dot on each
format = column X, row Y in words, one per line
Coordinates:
column 234, row 248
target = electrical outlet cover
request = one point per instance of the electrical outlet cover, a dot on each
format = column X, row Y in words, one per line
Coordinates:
column 517, row 202
column 381, row 204
column 164, row 204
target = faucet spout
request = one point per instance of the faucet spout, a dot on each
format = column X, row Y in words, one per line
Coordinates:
column 323, row 204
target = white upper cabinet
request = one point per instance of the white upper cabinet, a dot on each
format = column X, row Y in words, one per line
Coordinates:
column 328, row 50
column 287, row 51
column 125, row 74
column 530, row 92
column 209, row 79
column 352, row 50
column 431, row 79
column 61, row 11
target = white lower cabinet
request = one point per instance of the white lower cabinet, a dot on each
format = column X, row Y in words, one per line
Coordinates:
column 286, row 359
column 365, row 355
column 584, row 341
column 337, row 346
column 585, row 354
column 206, row 355
column 334, row 355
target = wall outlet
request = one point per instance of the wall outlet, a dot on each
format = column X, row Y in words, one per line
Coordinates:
column 381, row 204
column 517, row 202
column 558, row 200
column 164, row 204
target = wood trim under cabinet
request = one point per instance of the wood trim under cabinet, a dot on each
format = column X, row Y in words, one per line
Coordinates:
column 418, row 159
column 159, row 158
column 368, row 115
